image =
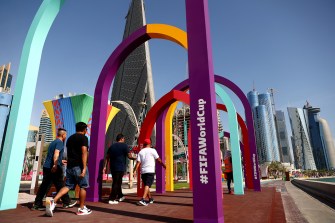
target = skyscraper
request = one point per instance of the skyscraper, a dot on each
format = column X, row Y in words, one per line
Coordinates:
column 265, row 128
column 302, row 149
column 321, row 140
column 5, row 78
column 265, row 99
column 45, row 127
column 253, row 99
column 133, row 82
column 318, row 148
column 328, row 142
column 263, row 139
column 283, row 138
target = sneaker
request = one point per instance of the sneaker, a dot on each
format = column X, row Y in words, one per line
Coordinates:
column 113, row 202
column 121, row 199
column 38, row 207
column 142, row 202
column 50, row 207
column 70, row 205
column 84, row 211
column 151, row 200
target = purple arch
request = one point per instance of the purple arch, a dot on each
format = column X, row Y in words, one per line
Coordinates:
column 253, row 159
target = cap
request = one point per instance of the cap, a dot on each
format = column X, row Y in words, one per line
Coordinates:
column 147, row 141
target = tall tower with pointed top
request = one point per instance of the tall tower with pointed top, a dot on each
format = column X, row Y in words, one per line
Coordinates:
column 133, row 82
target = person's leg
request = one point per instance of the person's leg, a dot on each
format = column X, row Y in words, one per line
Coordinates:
column 119, row 193
column 83, row 184
column 229, row 178
column 150, row 181
column 82, row 197
column 114, row 192
column 146, row 192
column 44, row 187
column 58, row 181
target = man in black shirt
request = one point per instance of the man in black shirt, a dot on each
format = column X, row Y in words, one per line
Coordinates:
column 116, row 156
column 76, row 172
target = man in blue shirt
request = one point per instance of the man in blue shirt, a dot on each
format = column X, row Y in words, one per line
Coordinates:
column 53, row 172
column 116, row 156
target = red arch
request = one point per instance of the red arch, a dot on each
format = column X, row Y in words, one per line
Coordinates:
column 161, row 105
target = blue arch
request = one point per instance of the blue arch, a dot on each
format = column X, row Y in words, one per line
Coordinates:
column 13, row 151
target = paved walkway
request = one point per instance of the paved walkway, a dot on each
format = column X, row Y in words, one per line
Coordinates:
column 279, row 201
column 265, row 206
column 299, row 206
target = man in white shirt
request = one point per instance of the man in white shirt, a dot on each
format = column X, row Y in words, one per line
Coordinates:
column 147, row 158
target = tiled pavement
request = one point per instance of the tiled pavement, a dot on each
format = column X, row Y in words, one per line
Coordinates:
column 279, row 201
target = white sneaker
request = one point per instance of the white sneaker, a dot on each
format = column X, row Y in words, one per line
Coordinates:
column 113, row 202
column 84, row 211
column 122, row 199
column 49, row 207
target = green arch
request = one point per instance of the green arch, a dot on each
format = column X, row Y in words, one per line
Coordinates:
column 16, row 136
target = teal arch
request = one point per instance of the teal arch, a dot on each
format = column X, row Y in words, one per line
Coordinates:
column 16, row 136
column 234, row 139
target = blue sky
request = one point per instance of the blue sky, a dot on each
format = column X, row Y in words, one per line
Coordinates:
column 288, row 45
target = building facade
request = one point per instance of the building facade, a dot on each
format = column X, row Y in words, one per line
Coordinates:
column 302, row 149
column 265, row 99
column 318, row 147
column 328, row 142
column 5, row 105
column 5, row 78
column 133, row 82
column 45, row 127
column 265, row 127
column 287, row 154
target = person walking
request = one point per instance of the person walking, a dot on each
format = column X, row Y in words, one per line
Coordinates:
column 76, row 172
column 53, row 172
column 116, row 157
column 228, row 169
column 147, row 158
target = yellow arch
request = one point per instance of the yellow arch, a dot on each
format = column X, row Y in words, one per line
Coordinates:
column 172, row 33
column 169, row 186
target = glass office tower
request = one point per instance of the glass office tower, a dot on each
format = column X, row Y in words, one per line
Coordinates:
column 263, row 138
column 265, row 99
column 287, row 154
column 302, row 149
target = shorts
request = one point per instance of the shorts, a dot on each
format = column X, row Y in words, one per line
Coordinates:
column 148, row 179
column 72, row 178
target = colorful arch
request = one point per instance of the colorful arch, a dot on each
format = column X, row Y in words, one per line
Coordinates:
column 103, row 85
column 252, row 158
column 168, row 142
column 23, row 101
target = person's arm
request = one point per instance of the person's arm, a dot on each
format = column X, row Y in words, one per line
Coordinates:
column 161, row 163
column 106, row 163
column 136, row 166
column 84, row 158
column 130, row 156
column 55, row 160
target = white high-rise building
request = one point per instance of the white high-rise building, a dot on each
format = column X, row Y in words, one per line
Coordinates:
column 328, row 141
column 45, row 127
column 302, row 149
